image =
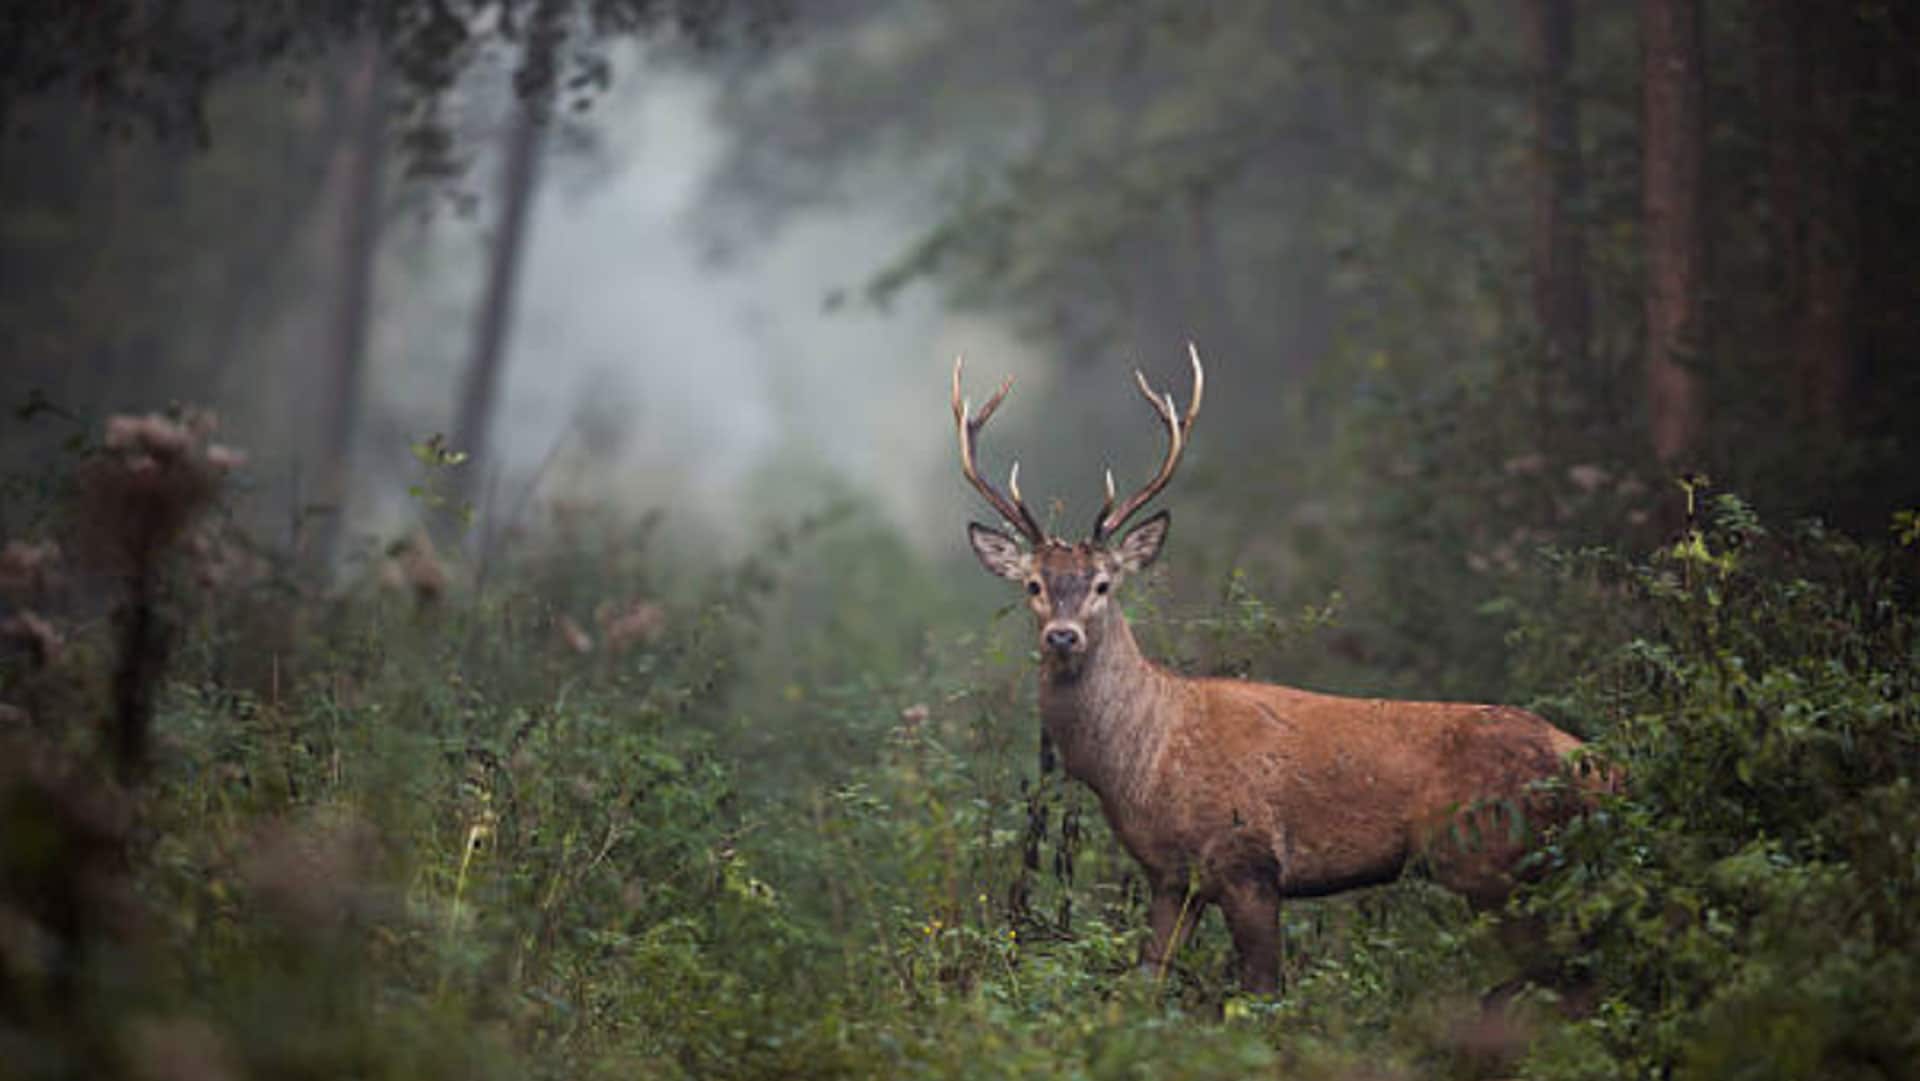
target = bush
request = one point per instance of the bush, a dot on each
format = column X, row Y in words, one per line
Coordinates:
column 610, row 813
column 1745, row 909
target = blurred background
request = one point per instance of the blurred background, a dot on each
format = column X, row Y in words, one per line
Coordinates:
column 1445, row 261
column 590, row 363
column 718, row 258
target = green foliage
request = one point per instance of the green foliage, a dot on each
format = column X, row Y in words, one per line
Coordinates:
column 606, row 814
column 535, row 859
column 151, row 75
column 1745, row 907
column 436, row 492
column 1906, row 527
column 610, row 811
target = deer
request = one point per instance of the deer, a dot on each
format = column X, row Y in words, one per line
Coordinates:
column 1241, row 794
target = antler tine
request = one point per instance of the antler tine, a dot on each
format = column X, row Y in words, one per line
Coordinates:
column 1199, row 387
column 1178, row 428
column 969, row 425
column 1106, row 507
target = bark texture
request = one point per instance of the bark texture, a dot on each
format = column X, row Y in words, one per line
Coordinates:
column 1673, row 141
column 1561, row 304
column 1823, row 331
column 534, row 83
column 364, row 159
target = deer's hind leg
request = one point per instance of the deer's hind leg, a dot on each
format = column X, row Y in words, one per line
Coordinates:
column 1252, row 908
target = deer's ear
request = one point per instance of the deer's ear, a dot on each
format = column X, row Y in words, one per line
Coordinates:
column 1142, row 543
column 998, row 552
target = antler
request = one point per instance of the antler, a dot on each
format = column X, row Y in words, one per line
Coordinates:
column 1013, row 510
column 1177, row 428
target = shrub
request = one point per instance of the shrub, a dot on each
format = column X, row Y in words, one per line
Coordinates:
column 1745, row 909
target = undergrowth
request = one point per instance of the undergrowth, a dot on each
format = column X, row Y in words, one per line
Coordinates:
column 596, row 813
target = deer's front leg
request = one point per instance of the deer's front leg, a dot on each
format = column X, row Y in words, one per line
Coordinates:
column 1171, row 915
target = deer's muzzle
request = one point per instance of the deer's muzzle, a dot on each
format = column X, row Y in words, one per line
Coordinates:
column 1063, row 638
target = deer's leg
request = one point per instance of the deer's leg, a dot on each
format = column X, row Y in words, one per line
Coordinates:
column 1171, row 914
column 1252, row 909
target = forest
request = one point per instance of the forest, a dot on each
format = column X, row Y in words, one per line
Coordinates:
column 485, row 583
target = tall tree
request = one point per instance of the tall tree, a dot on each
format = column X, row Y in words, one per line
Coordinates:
column 346, row 359
column 1561, row 303
column 1820, row 140
column 519, row 179
column 309, row 139
column 141, row 64
column 1802, row 57
column 1780, row 91
column 1673, row 163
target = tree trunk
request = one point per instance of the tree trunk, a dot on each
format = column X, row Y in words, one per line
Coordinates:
column 255, row 274
column 1822, row 338
column 535, row 82
column 520, row 177
column 1560, row 292
column 1673, row 137
column 1780, row 78
column 345, row 365
column 1802, row 61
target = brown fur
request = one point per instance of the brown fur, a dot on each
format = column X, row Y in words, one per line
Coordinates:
column 1241, row 794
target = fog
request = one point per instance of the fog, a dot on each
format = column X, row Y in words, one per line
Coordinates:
column 647, row 365
column 677, row 339
column 664, row 376
column 1559, row 376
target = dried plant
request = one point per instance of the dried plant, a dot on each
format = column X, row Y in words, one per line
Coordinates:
column 572, row 635
column 28, row 572
column 33, row 634
column 147, row 486
column 635, row 623
column 413, row 565
column 152, row 478
column 312, row 874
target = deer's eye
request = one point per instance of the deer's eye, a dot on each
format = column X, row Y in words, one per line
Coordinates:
column 1102, row 586
column 1033, row 589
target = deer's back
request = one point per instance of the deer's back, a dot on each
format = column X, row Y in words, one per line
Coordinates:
column 1330, row 793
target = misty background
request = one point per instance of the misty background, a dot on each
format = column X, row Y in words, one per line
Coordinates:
column 725, row 301
column 564, row 658
column 640, row 364
column 718, row 263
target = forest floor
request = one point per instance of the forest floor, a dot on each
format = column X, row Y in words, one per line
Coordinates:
column 604, row 815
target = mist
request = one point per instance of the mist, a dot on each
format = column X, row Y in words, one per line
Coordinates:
column 485, row 593
column 645, row 368
column 660, row 375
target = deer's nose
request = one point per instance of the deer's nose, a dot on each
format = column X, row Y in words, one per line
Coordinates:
column 1062, row 638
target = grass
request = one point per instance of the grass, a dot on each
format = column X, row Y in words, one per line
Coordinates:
column 434, row 833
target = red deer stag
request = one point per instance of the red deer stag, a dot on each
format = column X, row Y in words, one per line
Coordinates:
column 1236, row 793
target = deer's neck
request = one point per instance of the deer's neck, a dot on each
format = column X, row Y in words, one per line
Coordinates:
column 1106, row 715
